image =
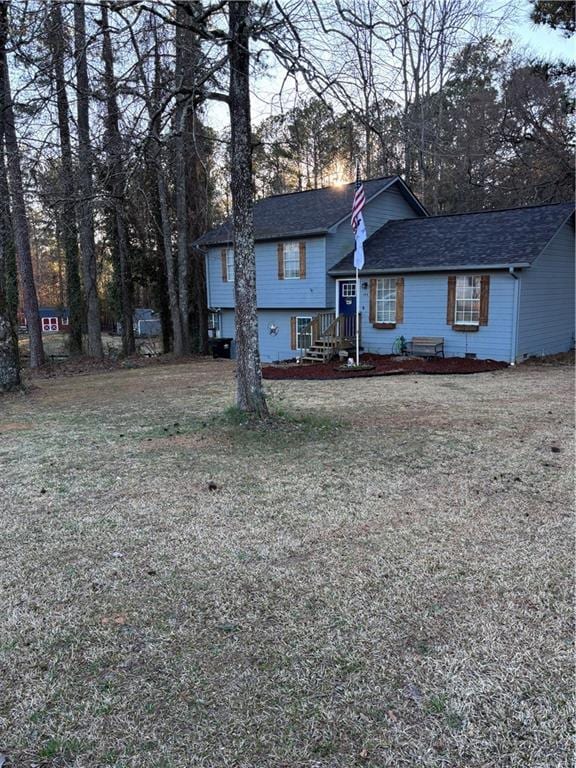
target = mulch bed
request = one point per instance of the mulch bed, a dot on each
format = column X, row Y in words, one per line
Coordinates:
column 384, row 365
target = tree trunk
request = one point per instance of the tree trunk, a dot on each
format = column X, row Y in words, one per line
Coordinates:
column 9, row 360
column 67, row 208
column 190, row 181
column 117, row 186
column 161, row 293
column 19, row 215
column 9, row 356
column 10, row 269
column 250, row 396
column 178, row 343
column 86, row 205
column 185, row 45
column 165, row 223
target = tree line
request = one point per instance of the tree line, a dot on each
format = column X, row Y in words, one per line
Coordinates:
column 107, row 158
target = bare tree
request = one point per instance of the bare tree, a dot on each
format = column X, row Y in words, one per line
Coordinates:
column 86, row 188
column 19, row 215
column 189, row 182
column 117, row 187
column 9, row 357
column 250, row 395
column 67, row 207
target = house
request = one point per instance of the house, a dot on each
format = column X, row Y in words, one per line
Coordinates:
column 146, row 322
column 492, row 284
column 52, row 319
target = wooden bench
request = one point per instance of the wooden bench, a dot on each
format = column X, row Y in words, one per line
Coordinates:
column 427, row 346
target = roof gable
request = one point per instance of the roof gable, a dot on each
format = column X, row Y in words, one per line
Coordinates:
column 313, row 212
column 509, row 237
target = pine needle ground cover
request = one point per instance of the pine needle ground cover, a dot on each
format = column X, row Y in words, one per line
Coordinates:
column 379, row 577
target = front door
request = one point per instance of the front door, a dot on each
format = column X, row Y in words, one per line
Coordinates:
column 347, row 297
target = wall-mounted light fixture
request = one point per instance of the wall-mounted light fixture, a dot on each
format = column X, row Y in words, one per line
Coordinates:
column 364, row 286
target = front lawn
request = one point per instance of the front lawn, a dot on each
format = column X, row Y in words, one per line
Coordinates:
column 382, row 577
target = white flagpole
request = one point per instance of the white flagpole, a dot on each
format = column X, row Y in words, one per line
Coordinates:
column 357, row 319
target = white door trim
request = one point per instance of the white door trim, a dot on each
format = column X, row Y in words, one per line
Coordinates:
column 338, row 281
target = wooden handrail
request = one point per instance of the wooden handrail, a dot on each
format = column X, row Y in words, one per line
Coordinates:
column 330, row 329
column 318, row 326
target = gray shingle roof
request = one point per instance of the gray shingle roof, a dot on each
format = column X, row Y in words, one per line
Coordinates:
column 298, row 213
column 486, row 238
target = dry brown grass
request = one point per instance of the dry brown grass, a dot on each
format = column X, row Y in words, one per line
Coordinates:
column 381, row 579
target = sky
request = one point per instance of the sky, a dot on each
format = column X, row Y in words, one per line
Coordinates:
column 545, row 42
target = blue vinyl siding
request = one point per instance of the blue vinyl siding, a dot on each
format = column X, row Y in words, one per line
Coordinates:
column 425, row 298
column 220, row 293
column 391, row 204
column 270, row 291
column 272, row 348
column 546, row 318
column 309, row 292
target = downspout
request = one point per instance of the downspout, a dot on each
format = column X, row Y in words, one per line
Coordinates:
column 515, row 316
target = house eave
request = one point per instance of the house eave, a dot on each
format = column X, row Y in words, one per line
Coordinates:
column 439, row 268
column 265, row 239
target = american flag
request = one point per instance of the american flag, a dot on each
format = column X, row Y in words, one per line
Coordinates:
column 358, row 222
column 359, row 200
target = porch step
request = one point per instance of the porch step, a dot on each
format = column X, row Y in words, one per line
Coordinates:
column 330, row 334
column 319, row 352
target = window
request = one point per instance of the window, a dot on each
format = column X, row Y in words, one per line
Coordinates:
column 49, row 323
column 230, row 265
column 303, row 332
column 213, row 323
column 467, row 300
column 386, row 300
column 291, row 261
column 348, row 290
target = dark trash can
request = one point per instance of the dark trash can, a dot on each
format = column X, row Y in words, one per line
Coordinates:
column 220, row 347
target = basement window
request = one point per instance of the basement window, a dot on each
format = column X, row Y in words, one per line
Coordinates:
column 303, row 332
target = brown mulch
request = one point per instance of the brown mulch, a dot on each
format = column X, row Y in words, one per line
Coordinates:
column 384, row 365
